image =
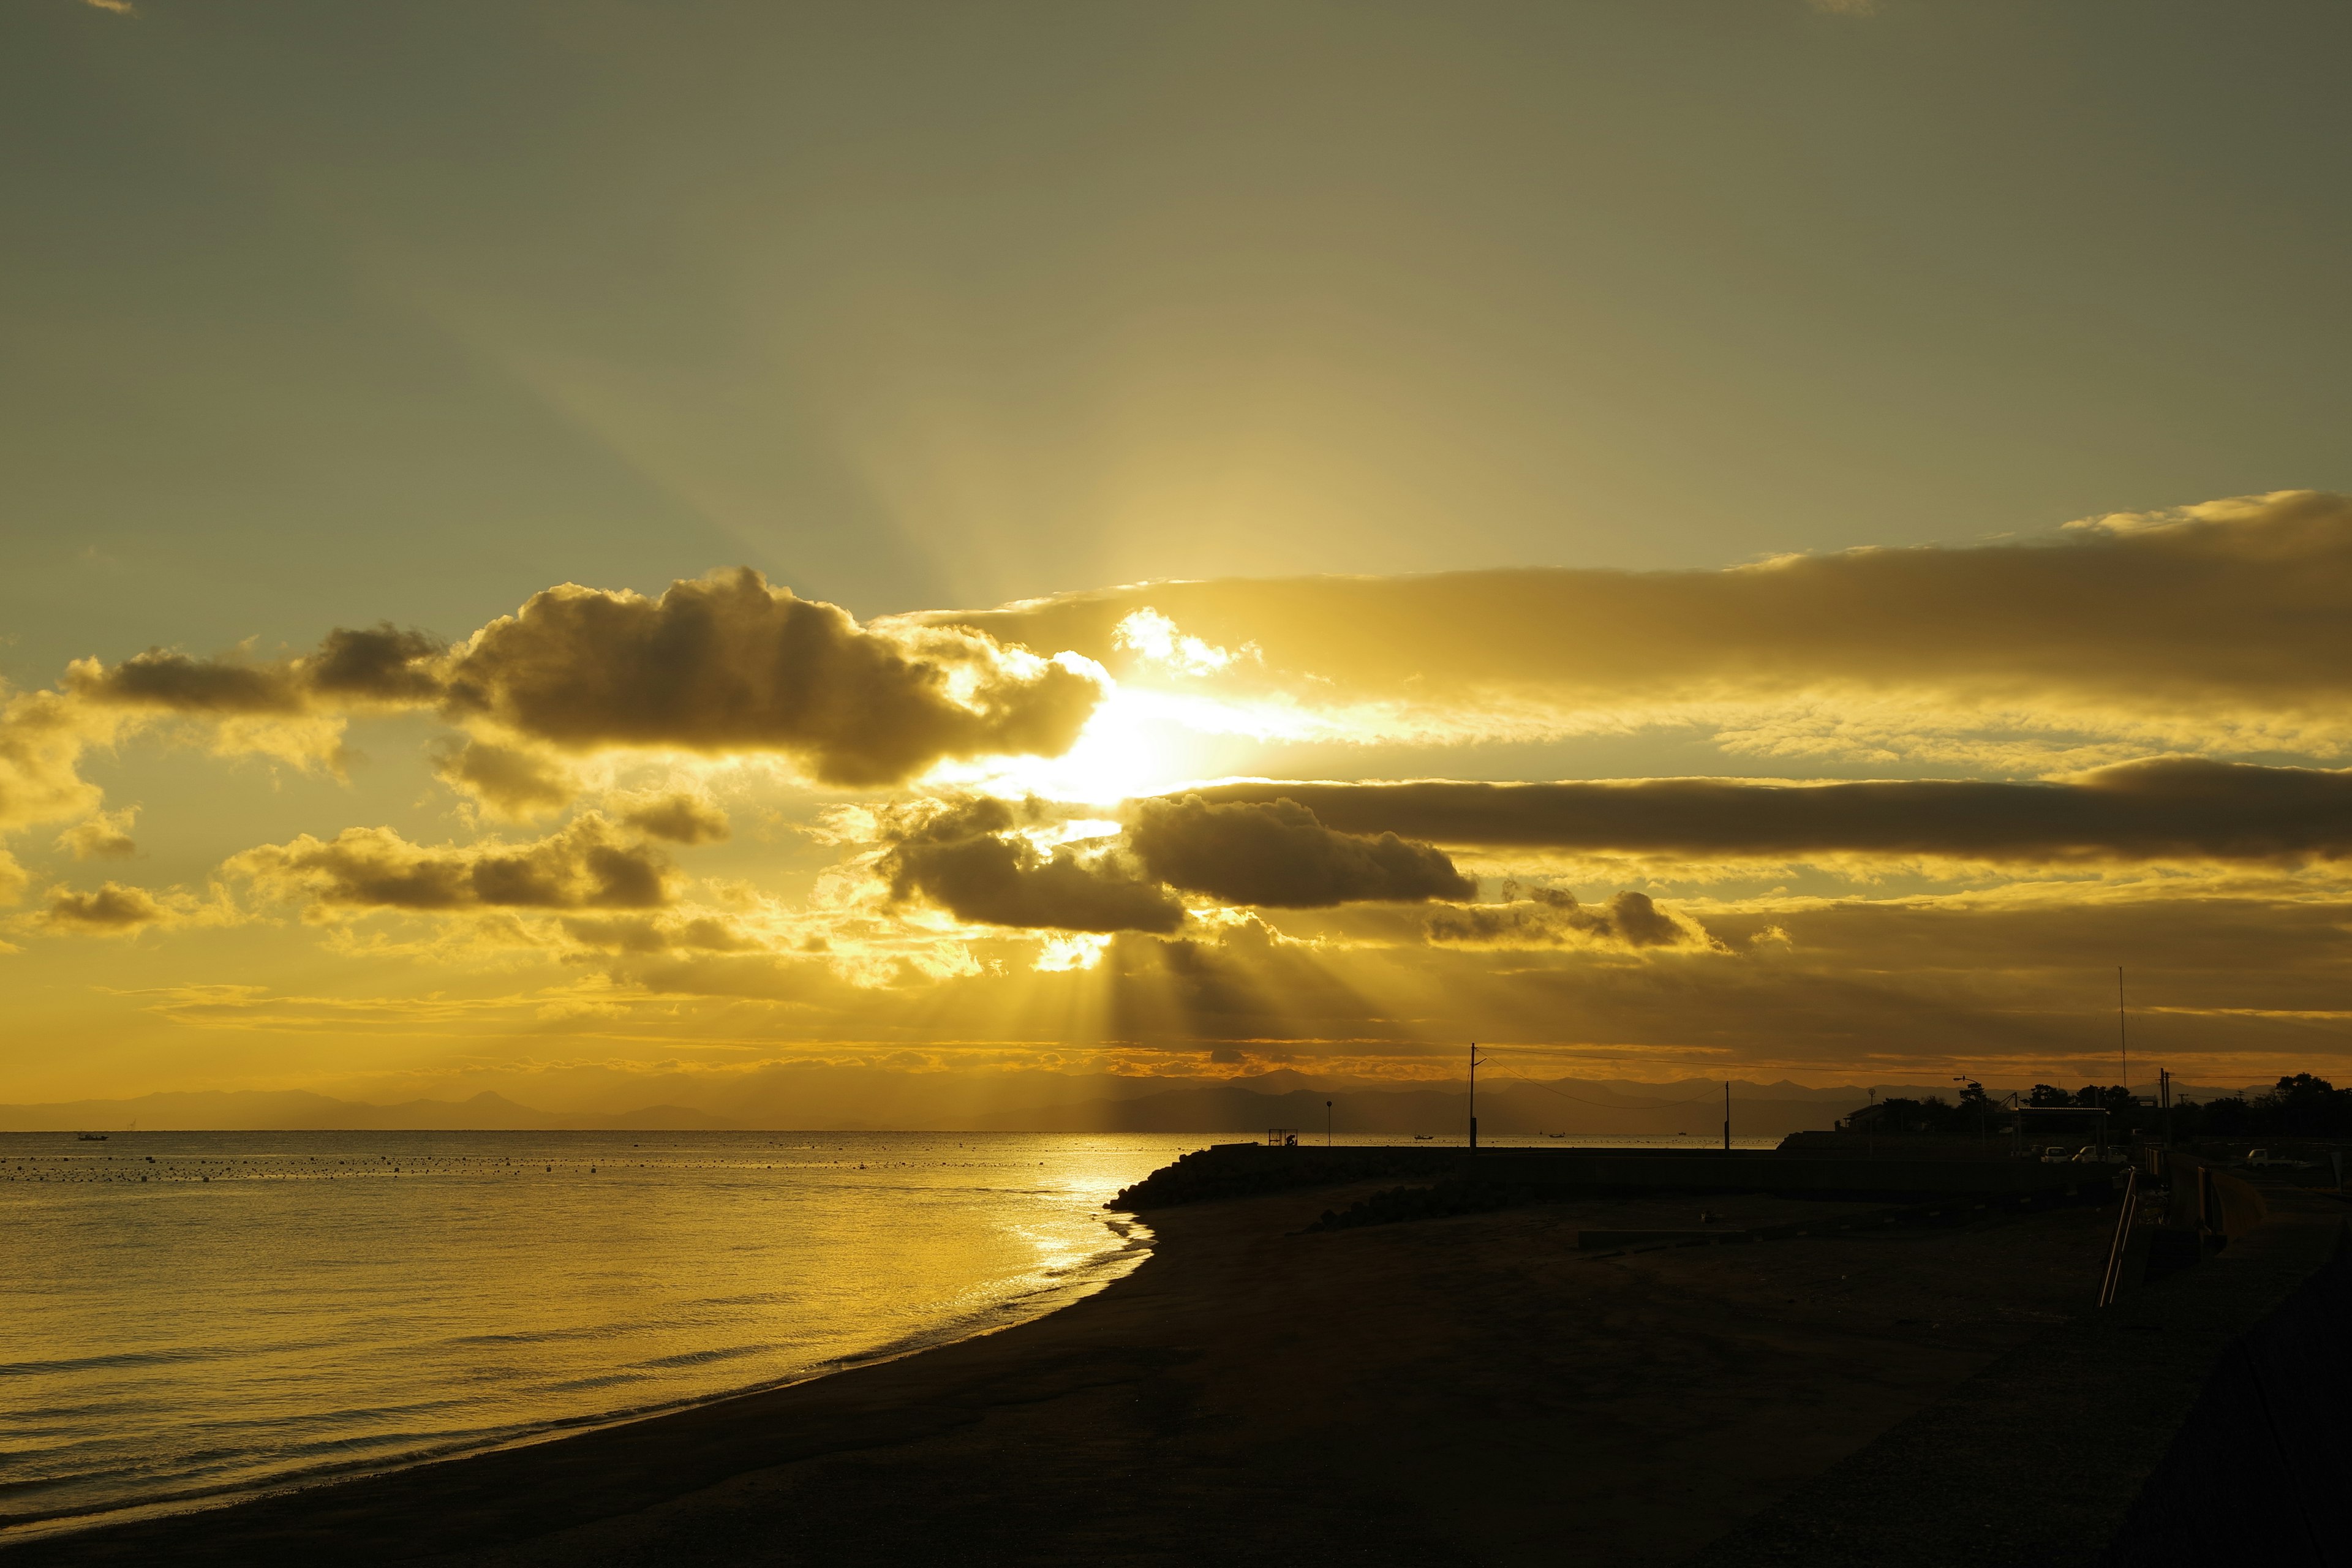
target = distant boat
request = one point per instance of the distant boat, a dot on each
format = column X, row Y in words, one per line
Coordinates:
column 1425, row 1137
column 90, row 1137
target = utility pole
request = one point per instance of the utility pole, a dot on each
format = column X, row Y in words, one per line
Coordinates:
column 1727, row 1116
column 1327, row 1125
column 1474, row 1097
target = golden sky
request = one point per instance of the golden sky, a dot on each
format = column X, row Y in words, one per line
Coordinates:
column 585, row 548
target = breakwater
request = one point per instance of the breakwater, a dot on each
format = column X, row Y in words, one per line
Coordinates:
column 1244, row 1170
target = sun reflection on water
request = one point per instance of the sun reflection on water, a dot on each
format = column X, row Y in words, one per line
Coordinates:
column 201, row 1315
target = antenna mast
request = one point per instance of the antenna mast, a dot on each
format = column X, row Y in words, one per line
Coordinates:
column 2123, row 1034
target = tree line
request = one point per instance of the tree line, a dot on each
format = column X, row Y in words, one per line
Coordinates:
column 2298, row 1106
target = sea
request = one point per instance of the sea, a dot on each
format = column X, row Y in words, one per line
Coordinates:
column 190, row 1318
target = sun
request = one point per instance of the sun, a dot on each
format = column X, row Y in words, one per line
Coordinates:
column 1138, row 742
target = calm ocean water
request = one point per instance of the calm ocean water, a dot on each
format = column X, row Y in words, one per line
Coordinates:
column 199, row 1315
column 190, row 1317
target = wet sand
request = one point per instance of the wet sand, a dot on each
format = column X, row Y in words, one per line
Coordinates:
column 1472, row 1390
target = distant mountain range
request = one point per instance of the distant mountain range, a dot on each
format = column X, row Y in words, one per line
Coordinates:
column 852, row 1099
column 294, row 1109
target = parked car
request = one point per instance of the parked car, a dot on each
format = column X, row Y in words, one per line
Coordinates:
column 2263, row 1160
column 2056, row 1154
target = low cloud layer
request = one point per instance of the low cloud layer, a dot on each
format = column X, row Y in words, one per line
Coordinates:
column 2182, row 808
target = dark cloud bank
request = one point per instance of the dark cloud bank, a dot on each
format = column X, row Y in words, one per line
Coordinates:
column 2164, row 808
column 969, row 860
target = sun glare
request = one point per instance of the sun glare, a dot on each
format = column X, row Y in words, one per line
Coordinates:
column 1137, row 743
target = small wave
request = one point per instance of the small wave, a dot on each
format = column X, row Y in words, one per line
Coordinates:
column 699, row 1358
column 609, row 1380
column 105, row 1362
column 552, row 1336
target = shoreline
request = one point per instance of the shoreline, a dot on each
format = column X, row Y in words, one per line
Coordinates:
column 1471, row 1389
column 23, row 1530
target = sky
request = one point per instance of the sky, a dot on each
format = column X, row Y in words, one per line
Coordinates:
column 594, row 548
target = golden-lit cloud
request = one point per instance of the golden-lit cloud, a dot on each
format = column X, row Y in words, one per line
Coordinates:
column 43, row 736
column 728, row 665
column 13, row 879
column 2225, row 624
column 972, row 833
column 104, row 836
column 121, row 910
column 512, row 782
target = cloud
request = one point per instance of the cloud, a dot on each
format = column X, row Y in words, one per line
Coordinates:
column 643, row 934
column 106, row 834
column 722, row 665
column 120, row 7
column 291, row 709
column 2160, row 808
column 512, row 782
column 725, row 664
column 982, row 859
column 967, row 860
column 681, row 818
column 112, row 910
column 1551, row 916
column 1277, row 854
column 585, row 865
column 384, row 667
column 2231, row 617
column 13, row 879
column 43, row 735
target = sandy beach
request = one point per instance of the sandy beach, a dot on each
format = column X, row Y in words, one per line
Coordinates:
column 1464, row 1390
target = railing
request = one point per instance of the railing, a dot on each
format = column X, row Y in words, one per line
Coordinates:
column 2115, row 1275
